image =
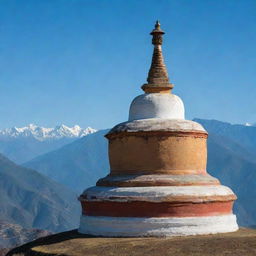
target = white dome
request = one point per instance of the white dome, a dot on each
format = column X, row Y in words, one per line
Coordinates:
column 156, row 105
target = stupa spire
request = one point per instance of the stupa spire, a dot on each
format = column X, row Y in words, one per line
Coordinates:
column 158, row 81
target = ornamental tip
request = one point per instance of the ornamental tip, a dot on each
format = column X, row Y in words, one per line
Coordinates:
column 157, row 30
column 157, row 25
column 158, row 81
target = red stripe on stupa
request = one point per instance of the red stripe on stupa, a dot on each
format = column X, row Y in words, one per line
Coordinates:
column 149, row 209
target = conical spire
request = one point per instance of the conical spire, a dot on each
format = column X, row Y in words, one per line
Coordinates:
column 158, row 81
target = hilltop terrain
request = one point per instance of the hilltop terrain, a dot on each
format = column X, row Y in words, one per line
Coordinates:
column 242, row 242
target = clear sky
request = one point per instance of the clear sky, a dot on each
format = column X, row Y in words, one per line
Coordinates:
column 83, row 61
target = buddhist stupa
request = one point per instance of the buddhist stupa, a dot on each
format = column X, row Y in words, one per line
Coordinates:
column 158, row 184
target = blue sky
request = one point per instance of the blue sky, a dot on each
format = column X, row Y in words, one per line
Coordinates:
column 82, row 62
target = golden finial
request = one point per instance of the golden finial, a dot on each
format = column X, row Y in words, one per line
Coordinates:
column 158, row 80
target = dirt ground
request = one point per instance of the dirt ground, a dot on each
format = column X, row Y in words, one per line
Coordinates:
column 240, row 243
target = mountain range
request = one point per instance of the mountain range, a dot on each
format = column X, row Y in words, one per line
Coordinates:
column 43, row 133
column 22, row 144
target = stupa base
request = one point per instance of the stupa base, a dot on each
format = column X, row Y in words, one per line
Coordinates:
column 139, row 227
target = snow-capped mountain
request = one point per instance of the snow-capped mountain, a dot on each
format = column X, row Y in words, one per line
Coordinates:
column 43, row 133
column 25, row 143
column 250, row 124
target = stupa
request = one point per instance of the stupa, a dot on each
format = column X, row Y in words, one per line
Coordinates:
column 158, row 184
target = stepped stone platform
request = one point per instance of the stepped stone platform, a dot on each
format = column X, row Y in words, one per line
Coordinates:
column 71, row 243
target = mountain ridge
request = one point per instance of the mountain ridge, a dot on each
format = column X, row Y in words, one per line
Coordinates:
column 25, row 143
column 33, row 200
column 44, row 133
column 81, row 162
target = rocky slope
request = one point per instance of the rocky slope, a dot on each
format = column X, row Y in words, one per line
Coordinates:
column 12, row 235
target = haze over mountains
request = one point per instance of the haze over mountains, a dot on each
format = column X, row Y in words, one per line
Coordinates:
column 77, row 165
column 32, row 200
column 23, row 144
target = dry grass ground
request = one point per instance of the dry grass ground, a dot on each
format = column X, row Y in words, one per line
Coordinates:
column 241, row 243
